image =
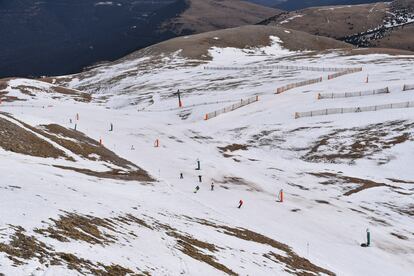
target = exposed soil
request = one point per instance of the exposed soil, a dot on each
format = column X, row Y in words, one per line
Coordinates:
column 22, row 248
column 296, row 264
column 134, row 175
column 400, row 181
column 191, row 247
column 90, row 149
column 322, row 201
column 271, row 138
column 401, row 237
column 84, row 145
column 79, row 227
column 338, row 179
column 75, row 94
column 4, row 83
column 16, row 139
column 347, row 145
column 233, row 147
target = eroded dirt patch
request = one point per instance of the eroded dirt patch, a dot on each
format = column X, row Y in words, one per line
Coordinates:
column 75, row 94
column 23, row 247
column 191, row 247
column 233, row 147
column 134, row 175
column 86, row 147
column 17, row 139
column 348, row 145
column 78, row 227
column 294, row 263
column 338, row 179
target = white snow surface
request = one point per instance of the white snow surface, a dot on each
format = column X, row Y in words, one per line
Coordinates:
column 317, row 220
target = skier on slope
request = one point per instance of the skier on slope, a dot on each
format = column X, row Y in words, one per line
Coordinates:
column 212, row 186
column 240, row 203
column 196, row 189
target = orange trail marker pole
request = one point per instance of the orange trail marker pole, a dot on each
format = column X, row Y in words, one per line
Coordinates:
column 281, row 196
column 367, row 79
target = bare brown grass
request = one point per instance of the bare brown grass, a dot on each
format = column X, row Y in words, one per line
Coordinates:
column 338, row 179
column 16, row 139
column 299, row 265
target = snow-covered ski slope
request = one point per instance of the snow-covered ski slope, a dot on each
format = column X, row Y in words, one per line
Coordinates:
column 64, row 214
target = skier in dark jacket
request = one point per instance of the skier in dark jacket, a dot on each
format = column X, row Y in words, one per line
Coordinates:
column 240, row 203
column 196, row 189
column 212, row 186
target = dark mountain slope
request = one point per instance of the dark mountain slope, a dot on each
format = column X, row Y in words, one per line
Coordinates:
column 209, row 15
column 60, row 37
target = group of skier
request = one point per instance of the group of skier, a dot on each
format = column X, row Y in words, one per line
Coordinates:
column 197, row 188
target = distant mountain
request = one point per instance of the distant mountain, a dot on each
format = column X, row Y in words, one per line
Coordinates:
column 384, row 24
column 54, row 37
column 291, row 5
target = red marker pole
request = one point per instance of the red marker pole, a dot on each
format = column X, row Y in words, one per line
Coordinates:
column 281, row 196
column 180, row 103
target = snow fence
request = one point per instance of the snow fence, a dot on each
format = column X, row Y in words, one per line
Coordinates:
column 232, row 107
column 330, row 111
column 344, row 71
column 284, row 67
column 408, row 87
column 321, row 96
column 297, row 84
